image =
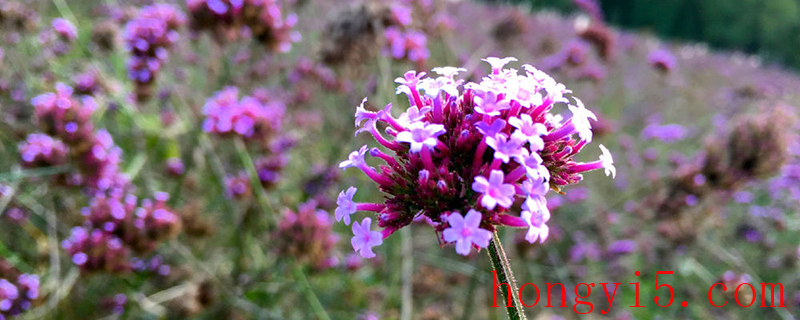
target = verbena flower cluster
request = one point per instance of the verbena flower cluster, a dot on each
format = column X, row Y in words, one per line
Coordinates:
column 307, row 235
column 465, row 156
column 67, row 117
column 41, row 150
column 403, row 42
column 148, row 38
column 115, row 227
column 228, row 20
column 248, row 117
column 17, row 292
column 115, row 223
column 59, row 37
column 662, row 60
column 255, row 119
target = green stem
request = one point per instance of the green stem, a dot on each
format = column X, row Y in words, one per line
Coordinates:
column 305, row 289
column 505, row 275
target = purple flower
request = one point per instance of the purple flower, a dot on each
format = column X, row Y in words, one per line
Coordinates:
column 307, row 236
column 364, row 238
column 362, row 114
column 41, row 150
column 667, row 133
column 622, row 247
column 662, row 59
column 504, row 148
column 443, row 140
column 494, row 190
column 536, row 215
column 466, row 231
column 529, row 130
column 401, row 14
column 355, row 159
column 420, row 134
column 345, row 205
column 247, row 117
column 490, row 105
column 491, row 130
column 65, row 29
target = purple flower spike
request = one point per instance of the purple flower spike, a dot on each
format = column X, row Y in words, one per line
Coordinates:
column 364, row 238
column 466, row 231
column 494, row 190
column 346, row 206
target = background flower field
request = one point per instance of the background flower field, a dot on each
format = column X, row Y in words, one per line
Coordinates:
column 181, row 160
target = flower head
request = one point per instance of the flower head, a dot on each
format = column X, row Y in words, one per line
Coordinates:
column 451, row 153
column 307, row 235
column 662, row 60
column 65, row 29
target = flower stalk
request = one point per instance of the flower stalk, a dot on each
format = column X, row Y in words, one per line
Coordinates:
column 501, row 264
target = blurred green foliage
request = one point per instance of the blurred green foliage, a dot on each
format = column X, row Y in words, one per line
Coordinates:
column 770, row 28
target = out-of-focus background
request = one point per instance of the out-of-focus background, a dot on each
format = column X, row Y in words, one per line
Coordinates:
column 127, row 192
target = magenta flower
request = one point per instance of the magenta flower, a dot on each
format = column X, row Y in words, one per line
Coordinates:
column 230, row 20
column 364, row 238
column 466, row 231
column 662, row 60
column 17, row 292
column 307, row 236
column 494, row 190
column 451, row 150
column 65, row 29
column 247, row 117
column 406, row 44
column 41, row 150
column 148, row 37
column 345, row 205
